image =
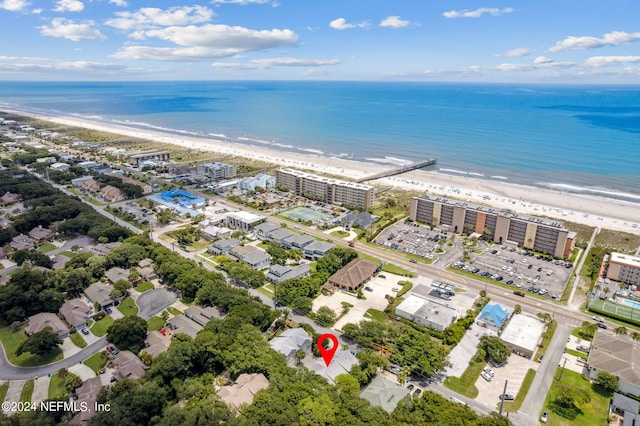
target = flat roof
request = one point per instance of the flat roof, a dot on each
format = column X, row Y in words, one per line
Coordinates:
column 523, row 331
column 246, row 217
column 492, row 210
column 625, row 259
column 325, row 179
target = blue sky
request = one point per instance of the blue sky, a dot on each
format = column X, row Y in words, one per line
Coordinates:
column 537, row 41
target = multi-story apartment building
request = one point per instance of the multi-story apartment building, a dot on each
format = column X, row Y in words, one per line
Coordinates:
column 217, row 170
column 500, row 225
column 624, row 268
column 137, row 158
column 326, row 189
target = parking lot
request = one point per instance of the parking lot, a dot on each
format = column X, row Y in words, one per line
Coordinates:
column 374, row 299
column 514, row 372
column 522, row 270
column 413, row 238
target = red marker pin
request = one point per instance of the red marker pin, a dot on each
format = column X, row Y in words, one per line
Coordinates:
column 327, row 353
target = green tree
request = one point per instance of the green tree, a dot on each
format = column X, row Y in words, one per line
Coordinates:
column 622, row 330
column 495, row 348
column 589, row 328
column 607, row 381
column 517, row 309
column 120, row 288
column 404, row 375
column 71, row 382
column 128, row 333
column 40, row 343
column 317, row 411
column 325, row 316
column 570, row 396
column 165, row 216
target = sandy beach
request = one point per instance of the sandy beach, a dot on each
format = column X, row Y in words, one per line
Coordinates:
column 587, row 209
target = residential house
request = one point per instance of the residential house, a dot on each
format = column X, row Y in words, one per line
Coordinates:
column 76, row 312
column 297, row 241
column 182, row 324
column 212, row 232
column 39, row 322
column 101, row 293
column 617, row 355
column 264, row 228
column 111, row 194
column 203, row 315
column 155, row 343
column 87, row 395
column 22, row 242
column 3, row 253
column 354, row 274
column 146, row 270
column 41, row 234
column 243, row 390
column 79, row 182
column 341, row 363
column 92, row 186
column 128, row 366
column 384, row 393
column 279, row 235
column 223, row 246
column 427, row 313
column 103, row 248
column 238, row 252
column 116, row 274
column 88, row 165
column 280, row 273
column 257, row 259
column 317, row 249
column 493, row 316
column 9, row 198
column 60, row 167
column 243, row 221
column 146, row 188
column 290, row 341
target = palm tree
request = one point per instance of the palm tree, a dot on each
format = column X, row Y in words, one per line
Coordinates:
column 589, row 328
column 620, row 330
column 404, row 375
column 635, row 335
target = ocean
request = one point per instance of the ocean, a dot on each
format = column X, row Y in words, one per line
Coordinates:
column 568, row 137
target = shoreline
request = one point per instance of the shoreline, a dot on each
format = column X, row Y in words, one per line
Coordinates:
column 589, row 209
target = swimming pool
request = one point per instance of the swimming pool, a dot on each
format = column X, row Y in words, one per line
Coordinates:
column 631, row 303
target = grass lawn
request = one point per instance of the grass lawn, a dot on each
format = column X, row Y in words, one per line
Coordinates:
column 340, row 234
column 45, row 248
column 522, row 393
column 375, row 315
column 174, row 311
column 546, row 338
column 56, row 387
column 395, row 269
column 465, row 385
column 100, row 327
column 144, row 287
column 579, row 333
column 1, row 266
column 128, row 307
column 594, row 413
column 27, row 391
column 69, row 254
column 266, row 291
column 155, row 323
column 11, row 341
column 577, row 353
column 77, row 340
column 3, row 391
column 97, row 361
column 618, row 240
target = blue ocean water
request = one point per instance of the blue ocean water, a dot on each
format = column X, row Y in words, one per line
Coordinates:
column 576, row 138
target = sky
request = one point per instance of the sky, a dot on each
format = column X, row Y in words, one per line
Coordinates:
column 534, row 41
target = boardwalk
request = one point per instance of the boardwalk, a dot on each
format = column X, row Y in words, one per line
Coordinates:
column 399, row 170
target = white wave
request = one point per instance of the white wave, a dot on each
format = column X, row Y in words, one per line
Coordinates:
column 452, row 171
column 282, row 145
column 500, row 177
column 398, row 161
column 476, row 174
column 218, row 135
column 590, row 189
column 314, row 151
column 379, row 160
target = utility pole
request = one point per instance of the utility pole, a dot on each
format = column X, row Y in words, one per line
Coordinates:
column 504, row 392
column 562, row 369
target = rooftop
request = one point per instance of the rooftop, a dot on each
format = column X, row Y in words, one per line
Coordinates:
column 617, row 355
column 39, row 322
column 243, row 390
column 328, row 180
column 99, row 292
column 246, row 217
column 354, row 273
column 384, row 393
column 128, row 366
column 75, row 311
column 625, row 259
column 523, row 331
column 290, row 341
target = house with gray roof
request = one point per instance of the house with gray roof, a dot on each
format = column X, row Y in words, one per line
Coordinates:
column 279, row 235
column 341, row 363
column 264, row 228
column 290, row 341
column 39, row 322
column 22, row 242
column 384, row 393
column 76, row 312
column 101, row 293
column 87, row 395
column 128, row 366
column 202, row 315
column 116, row 274
column 41, row 234
column 257, row 259
column 317, row 249
column 617, row 355
column 182, row 324
column 298, row 241
column 243, row 390
column 146, row 270
column 223, row 246
column 155, row 343
column 280, row 273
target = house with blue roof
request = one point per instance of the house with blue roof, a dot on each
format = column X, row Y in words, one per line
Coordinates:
column 493, row 317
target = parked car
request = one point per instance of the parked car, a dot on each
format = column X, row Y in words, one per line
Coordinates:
column 486, row 376
column 85, row 331
column 602, row 325
column 597, row 319
column 507, row 397
column 489, row 371
column 582, row 349
column 108, row 310
column 417, row 392
column 368, row 288
column 410, row 387
column 518, row 293
column 544, row 417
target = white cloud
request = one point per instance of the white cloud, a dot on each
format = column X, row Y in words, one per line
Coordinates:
column 36, row 11
column 34, row 64
column 394, row 22
column 69, row 6
column 341, row 24
column 66, row 28
column 477, row 13
column 243, row 2
column 277, row 62
column 516, row 53
column 14, row 5
column 121, row 3
column 603, row 61
column 149, row 17
column 542, row 60
column 613, row 38
column 198, row 43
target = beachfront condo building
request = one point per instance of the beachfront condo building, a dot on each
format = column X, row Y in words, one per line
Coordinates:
column 217, row 170
column 138, row 158
column 328, row 190
column 502, row 226
column 624, row 268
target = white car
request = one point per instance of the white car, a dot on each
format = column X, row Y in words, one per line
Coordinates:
column 544, row 417
column 598, row 319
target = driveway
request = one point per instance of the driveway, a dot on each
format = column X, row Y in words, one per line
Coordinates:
column 153, row 301
column 462, row 353
column 514, row 373
column 89, row 338
column 14, row 391
column 40, row 389
column 68, row 348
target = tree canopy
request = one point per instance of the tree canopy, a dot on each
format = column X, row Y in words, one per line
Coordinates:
column 128, row 333
column 40, row 343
